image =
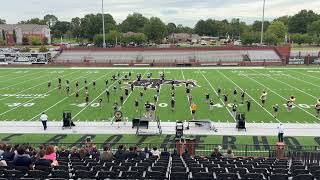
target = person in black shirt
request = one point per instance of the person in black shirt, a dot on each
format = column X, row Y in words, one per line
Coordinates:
column 188, row 90
column 21, row 159
column 114, row 77
column 155, row 97
column 129, row 73
column 275, row 110
column 138, row 77
column 136, row 105
column 107, row 82
column 77, row 84
column 77, row 94
column 207, row 97
column 211, row 104
column 59, row 80
column 118, row 74
column 248, row 105
column 242, row 96
column 8, row 154
column 153, row 110
column 235, row 92
column 115, row 89
column 68, row 90
column 120, row 85
column 173, row 94
column 49, row 85
column 108, row 95
column 148, row 108
column 219, row 91
column 94, row 84
column 234, row 110
column 86, row 87
column 120, row 154
column 87, row 100
column 158, row 90
column 145, row 87
column 121, row 99
column 100, row 103
column 59, row 87
column 172, row 87
column 225, row 99
column 173, row 102
column 115, row 106
column 42, row 161
column 126, row 92
column 132, row 86
column 131, row 154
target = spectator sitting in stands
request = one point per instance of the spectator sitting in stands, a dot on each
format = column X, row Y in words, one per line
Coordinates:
column 120, row 154
column 228, row 154
column 8, row 154
column 51, row 154
column 165, row 152
column 147, row 152
column 216, row 153
column 141, row 154
column 17, row 147
column 3, row 163
column 106, row 155
column 42, row 161
column 95, row 154
column 74, row 152
column 155, row 152
column 131, row 154
column 2, row 148
column 63, row 152
column 21, row 159
column 82, row 153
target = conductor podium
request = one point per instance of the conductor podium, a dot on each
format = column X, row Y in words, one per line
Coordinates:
column 66, row 118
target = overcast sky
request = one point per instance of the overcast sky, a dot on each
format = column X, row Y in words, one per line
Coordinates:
column 186, row 12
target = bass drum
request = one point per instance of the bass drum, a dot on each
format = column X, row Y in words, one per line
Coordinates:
column 118, row 116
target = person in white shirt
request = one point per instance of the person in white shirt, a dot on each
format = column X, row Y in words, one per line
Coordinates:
column 155, row 152
column 44, row 119
column 280, row 132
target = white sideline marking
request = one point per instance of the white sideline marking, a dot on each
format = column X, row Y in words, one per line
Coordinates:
column 249, row 96
column 66, row 98
column 307, row 74
column 216, row 94
column 303, row 81
column 279, row 95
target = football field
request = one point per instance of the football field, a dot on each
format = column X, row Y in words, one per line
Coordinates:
column 25, row 95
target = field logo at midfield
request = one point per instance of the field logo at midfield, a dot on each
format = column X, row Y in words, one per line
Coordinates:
column 153, row 83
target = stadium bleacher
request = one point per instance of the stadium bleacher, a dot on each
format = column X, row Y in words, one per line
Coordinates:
column 265, row 55
column 87, row 164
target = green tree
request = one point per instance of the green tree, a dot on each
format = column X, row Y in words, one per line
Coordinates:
column 256, row 26
column 316, row 40
column 35, row 40
column 137, row 38
column 43, row 49
column 278, row 29
column 271, row 39
column 50, row 20
column 155, row 29
column 314, row 28
column 91, row 24
column 308, row 39
column 76, row 27
column 133, row 23
column 283, row 19
column 2, row 21
column 60, row 28
column 297, row 38
column 248, row 38
column 300, row 22
column 33, row 21
column 172, row 28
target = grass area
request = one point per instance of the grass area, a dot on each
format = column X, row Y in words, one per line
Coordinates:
column 24, row 94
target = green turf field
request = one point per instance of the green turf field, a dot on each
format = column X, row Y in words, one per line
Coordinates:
column 24, row 94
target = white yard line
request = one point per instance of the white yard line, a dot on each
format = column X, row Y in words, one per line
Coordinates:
column 217, row 94
column 249, row 96
column 279, row 95
column 303, row 81
column 65, row 98
column 35, row 86
column 306, row 74
column 33, row 98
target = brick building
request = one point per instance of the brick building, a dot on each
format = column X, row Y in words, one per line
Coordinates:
column 24, row 30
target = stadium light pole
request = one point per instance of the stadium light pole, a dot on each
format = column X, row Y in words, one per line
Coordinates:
column 103, row 27
column 262, row 24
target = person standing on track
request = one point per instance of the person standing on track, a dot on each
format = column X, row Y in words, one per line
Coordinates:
column 44, row 120
column 248, row 104
column 280, row 132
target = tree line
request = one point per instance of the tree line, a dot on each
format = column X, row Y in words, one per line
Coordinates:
column 303, row 27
